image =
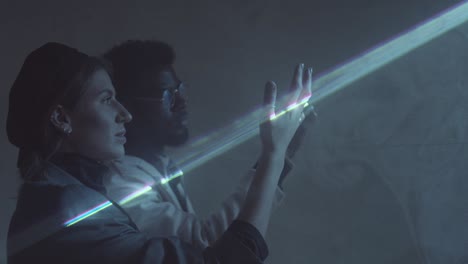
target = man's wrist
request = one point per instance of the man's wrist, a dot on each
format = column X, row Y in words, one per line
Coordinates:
column 287, row 167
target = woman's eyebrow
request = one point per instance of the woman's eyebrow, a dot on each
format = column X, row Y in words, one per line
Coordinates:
column 106, row 91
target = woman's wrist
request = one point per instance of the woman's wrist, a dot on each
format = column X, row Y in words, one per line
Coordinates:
column 273, row 162
column 272, row 155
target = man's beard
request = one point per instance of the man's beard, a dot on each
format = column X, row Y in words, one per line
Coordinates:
column 177, row 137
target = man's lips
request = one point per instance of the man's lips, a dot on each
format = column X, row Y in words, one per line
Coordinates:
column 121, row 133
column 178, row 120
column 181, row 116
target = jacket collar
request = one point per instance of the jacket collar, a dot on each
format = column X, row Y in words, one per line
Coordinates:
column 79, row 169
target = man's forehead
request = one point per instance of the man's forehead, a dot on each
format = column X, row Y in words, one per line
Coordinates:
column 160, row 76
column 167, row 76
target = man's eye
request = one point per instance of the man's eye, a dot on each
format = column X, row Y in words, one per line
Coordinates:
column 107, row 99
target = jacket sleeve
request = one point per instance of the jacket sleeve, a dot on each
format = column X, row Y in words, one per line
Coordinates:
column 99, row 242
column 156, row 216
column 104, row 238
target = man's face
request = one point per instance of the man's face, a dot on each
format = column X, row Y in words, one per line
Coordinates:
column 163, row 109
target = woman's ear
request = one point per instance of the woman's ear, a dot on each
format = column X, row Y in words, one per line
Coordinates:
column 61, row 120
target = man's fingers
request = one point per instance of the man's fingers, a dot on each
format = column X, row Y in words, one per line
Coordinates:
column 309, row 110
column 297, row 78
column 296, row 84
column 269, row 97
column 306, row 85
column 300, row 90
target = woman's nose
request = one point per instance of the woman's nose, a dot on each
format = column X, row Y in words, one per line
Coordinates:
column 124, row 115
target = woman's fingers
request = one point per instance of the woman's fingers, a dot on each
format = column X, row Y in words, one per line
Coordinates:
column 299, row 92
column 280, row 127
column 269, row 98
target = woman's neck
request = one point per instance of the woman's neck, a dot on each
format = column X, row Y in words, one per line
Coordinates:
column 147, row 152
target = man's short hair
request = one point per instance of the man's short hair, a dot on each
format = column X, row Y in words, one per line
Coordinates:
column 133, row 57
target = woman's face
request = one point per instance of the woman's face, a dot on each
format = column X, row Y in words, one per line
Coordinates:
column 98, row 120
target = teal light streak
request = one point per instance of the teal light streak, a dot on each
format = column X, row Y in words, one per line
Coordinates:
column 293, row 106
column 87, row 214
column 105, row 205
column 168, row 179
column 135, row 195
column 123, row 201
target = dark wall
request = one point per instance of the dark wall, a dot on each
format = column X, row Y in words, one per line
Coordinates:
column 382, row 172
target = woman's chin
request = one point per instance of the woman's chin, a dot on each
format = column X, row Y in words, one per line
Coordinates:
column 119, row 154
column 114, row 154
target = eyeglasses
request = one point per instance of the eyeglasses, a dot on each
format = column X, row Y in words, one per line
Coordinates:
column 167, row 95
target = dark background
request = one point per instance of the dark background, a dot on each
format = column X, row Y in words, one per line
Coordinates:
column 382, row 174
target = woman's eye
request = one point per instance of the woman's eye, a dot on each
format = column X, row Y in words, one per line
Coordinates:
column 107, row 100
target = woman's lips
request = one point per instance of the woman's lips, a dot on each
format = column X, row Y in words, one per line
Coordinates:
column 121, row 133
column 121, row 137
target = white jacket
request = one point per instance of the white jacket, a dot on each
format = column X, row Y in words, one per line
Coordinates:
column 158, row 211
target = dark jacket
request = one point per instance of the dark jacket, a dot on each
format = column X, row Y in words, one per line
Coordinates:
column 42, row 229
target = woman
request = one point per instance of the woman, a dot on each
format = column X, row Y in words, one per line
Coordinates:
column 64, row 118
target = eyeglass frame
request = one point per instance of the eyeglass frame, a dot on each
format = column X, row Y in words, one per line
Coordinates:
column 180, row 87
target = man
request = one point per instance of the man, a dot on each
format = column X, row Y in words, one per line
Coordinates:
column 147, row 84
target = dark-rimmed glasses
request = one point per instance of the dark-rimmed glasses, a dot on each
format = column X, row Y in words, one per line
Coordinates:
column 168, row 95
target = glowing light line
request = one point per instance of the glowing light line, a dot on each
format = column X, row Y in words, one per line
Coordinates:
column 389, row 51
column 87, row 214
column 123, row 201
column 168, row 179
column 105, row 205
column 291, row 107
column 135, row 195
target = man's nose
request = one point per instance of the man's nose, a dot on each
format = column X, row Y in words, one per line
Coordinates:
column 180, row 102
